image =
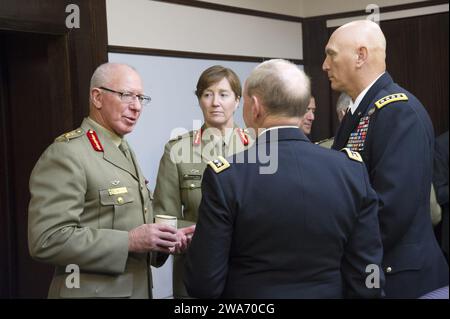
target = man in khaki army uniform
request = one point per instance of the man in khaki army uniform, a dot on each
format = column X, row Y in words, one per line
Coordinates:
column 178, row 186
column 90, row 206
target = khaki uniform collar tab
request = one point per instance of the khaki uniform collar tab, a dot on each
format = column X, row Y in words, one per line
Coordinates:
column 105, row 132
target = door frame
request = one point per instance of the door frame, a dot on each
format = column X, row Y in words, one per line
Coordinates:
column 84, row 49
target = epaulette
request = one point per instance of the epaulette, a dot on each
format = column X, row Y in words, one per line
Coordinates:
column 220, row 164
column 70, row 135
column 243, row 136
column 352, row 154
column 391, row 98
column 181, row 136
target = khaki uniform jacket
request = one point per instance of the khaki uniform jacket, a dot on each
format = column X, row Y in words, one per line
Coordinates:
column 84, row 200
column 178, row 185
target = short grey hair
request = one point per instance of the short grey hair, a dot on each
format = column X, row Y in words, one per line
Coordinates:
column 283, row 88
column 343, row 102
column 103, row 73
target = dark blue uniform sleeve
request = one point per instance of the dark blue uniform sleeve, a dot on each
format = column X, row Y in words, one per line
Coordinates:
column 206, row 277
column 440, row 176
column 361, row 265
column 399, row 167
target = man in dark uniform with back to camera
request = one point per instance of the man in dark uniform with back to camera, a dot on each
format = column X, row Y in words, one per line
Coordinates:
column 279, row 234
column 90, row 208
column 394, row 134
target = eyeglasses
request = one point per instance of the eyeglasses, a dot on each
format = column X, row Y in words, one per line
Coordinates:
column 127, row 97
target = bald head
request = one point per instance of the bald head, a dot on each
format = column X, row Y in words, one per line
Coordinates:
column 356, row 54
column 108, row 72
column 110, row 84
column 281, row 86
column 363, row 33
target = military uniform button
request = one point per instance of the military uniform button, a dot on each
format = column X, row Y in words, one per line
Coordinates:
column 145, row 209
column 192, row 186
column 120, row 200
column 388, row 269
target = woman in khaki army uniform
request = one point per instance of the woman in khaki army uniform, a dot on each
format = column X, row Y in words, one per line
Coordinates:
column 185, row 158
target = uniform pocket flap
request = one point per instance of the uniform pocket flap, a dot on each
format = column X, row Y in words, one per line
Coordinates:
column 191, row 184
column 100, row 286
column 403, row 257
column 109, row 198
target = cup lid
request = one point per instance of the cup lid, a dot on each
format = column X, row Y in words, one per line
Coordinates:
column 165, row 217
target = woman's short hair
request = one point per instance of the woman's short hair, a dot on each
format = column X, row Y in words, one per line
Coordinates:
column 215, row 74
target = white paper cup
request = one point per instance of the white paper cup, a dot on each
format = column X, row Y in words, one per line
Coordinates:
column 166, row 219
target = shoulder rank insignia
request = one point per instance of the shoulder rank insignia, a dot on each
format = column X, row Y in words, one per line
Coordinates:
column 197, row 137
column 220, row 164
column 352, row 154
column 95, row 142
column 180, row 136
column 391, row 98
column 70, row 135
column 243, row 136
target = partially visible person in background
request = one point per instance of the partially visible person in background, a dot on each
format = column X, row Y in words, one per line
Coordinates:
column 342, row 105
column 440, row 180
column 307, row 119
column 185, row 157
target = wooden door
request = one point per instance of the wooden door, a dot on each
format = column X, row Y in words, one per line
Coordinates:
column 45, row 69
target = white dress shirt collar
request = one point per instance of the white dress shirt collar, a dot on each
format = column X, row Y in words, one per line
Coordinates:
column 361, row 95
column 276, row 128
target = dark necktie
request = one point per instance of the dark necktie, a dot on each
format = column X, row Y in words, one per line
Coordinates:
column 341, row 139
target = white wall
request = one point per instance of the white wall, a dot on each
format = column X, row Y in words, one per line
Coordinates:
column 324, row 7
column 159, row 25
column 287, row 7
column 393, row 14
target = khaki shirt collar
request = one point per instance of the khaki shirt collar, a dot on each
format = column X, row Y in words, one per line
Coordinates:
column 206, row 138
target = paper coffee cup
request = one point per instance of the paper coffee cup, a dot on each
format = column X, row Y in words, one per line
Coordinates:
column 166, row 219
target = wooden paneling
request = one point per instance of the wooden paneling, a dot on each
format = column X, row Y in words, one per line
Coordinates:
column 417, row 59
column 45, row 69
column 315, row 38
